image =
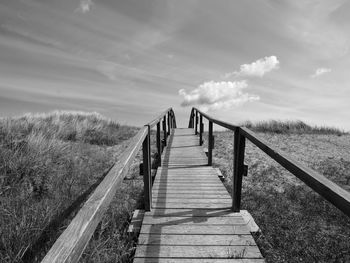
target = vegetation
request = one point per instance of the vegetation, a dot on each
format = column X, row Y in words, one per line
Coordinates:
column 290, row 127
column 49, row 163
column 297, row 225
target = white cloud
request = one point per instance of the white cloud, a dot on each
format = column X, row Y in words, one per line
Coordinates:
column 257, row 69
column 218, row 95
column 320, row 71
column 84, row 6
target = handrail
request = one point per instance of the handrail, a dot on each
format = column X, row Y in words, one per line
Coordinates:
column 216, row 121
column 158, row 118
column 332, row 192
column 72, row 242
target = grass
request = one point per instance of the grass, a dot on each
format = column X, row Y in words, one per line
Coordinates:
column 46, row 162
column 297, row 224
column 288, row 127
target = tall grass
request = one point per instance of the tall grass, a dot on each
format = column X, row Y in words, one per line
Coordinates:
column 299, row 127
column 46, row 162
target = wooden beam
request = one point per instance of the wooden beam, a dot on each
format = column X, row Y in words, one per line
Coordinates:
column 147, row 179
column 72, row 242
column 238, row 169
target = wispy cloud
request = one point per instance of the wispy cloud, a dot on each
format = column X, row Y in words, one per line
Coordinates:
column 256, row 69
column 320, row 71
column 218, row 95
column 84, row 6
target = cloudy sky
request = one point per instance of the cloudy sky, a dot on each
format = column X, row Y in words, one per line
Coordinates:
column 237, row 60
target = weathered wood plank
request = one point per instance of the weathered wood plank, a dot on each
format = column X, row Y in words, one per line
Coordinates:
column 219, row 195
column 198, row 251
column 194, row 199
column 187, row 240
column 192, row 212
column 201, row 260
column 189, row 192
column 190, row 187
column 191, row 205
column 190, row 201
column 147, row 220
column 195, row 229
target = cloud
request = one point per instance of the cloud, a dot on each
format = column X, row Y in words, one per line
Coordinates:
column 256, row 69
column 320, row 71
column 84, row 6
column 218, row 95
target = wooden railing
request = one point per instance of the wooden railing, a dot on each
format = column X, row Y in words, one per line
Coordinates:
column 72, row 242
column 336, row 195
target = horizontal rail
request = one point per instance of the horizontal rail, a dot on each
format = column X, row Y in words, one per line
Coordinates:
column 154, row 122
column 329, row 190
column 216, row 121
column 332, row 192
column 72, row 242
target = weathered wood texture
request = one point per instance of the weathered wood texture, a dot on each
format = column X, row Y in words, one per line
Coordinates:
column 191, row 218
column 70, row 245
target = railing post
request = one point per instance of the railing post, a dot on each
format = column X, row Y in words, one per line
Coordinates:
column 174, row 120
column 159, row 145
column 196, row 129
column 210, row 143
column 147, row 179
column 190, row 120
column 168, row 123
column 164, row 130
column 200, row 130
column 238, row 169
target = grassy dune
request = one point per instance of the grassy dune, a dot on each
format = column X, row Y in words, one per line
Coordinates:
column 47, row 161
column 297, row 224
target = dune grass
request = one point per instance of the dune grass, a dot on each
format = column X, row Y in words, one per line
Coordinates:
column 297, row 225
column 284, row 127
column 46, row 162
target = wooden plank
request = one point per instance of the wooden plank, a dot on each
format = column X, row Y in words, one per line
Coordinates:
column 195, row 229
column 173, row 180
column 189, row 201
column 173, row 220
column 201, row 260
column 192, row 199
column 191, row 205
column 187, row 240
column 136, row 222
column 192, row 212
column 198, row 251
column 190, row 195
column 189, row 187
column 189, row 191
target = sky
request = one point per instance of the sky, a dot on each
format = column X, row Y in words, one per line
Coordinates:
column 130, row 60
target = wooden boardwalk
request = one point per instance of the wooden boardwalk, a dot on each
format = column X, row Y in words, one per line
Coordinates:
column 191, row 218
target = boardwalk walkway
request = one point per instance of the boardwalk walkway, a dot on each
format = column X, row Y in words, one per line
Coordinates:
column 191, row 218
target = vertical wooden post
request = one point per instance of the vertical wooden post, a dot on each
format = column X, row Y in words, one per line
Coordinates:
column 190, row 122
column 164, row 130
column 196, row 129
column 201, row 130
column 168, row 123
column 238, row 169
column 147, row 179
column 210, row 143
column 159, row 145
column 174, row 120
